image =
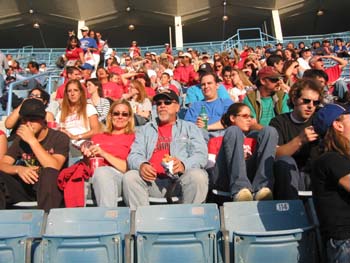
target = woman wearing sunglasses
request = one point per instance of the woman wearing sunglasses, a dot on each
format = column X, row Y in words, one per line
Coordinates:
column 12, row 121
column 114, row 147
column 244, row 163
column 139, row 102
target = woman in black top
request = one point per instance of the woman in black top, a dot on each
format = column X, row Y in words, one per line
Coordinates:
column 331, row 180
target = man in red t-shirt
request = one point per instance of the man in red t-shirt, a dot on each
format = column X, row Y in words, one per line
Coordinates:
column 167, row 158
column 184, row 72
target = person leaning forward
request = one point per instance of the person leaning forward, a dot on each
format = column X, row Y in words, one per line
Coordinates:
column 188, row 154
column 31, row 165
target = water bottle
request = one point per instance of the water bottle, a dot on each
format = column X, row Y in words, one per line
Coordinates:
column 204, row 116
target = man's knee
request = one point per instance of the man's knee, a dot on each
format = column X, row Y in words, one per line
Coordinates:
column 197, row 177
column 131, row 177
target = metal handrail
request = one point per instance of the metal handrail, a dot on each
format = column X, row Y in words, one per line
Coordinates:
column 13, row 84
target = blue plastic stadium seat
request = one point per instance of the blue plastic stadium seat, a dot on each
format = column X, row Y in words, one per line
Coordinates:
column 268, row 231
column 18, row 228
column 177, row 233
column 93, row 234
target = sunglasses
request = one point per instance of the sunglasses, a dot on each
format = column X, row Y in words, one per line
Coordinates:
column 274, row 80
column 118, row 113
column 314, row 102
column 166, row 102
column 34, row 96
column 245, row 116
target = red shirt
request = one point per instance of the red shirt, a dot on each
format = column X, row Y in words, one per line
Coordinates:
column 118, row 145
column 162, row 148
column 2, row 133
column 73, row 54
column 150, row 92
column 186, row 75
column 112, row 90
column 333, row 74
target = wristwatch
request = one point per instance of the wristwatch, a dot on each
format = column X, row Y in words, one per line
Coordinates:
column 80, row 136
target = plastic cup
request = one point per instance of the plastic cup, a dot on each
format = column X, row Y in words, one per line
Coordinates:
column 52, row 125
column 96, row 162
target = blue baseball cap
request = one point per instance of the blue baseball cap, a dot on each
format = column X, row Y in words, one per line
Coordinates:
column 325, row 117
column 87, row 66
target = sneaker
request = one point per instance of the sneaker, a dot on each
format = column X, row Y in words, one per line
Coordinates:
column 243, row 195
column 263, row 194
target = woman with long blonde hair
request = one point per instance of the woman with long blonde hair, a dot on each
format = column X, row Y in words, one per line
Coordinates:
column 241, row 84
column 113, row 146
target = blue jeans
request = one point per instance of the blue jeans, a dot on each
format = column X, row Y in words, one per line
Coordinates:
column 232, row 172
column 338, row 251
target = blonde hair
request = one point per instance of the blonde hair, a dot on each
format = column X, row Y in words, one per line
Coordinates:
column 66, row 103
column 141, row 89
column 245, row 80
column 130, row 128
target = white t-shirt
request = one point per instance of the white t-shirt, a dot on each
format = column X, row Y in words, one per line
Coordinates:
column 75, row 124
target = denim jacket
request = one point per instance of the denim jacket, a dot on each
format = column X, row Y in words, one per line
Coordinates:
column 187, row 145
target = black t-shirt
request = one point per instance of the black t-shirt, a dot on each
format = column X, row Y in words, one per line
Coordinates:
column 331, row 200
column 56, row 142
column 287, row 130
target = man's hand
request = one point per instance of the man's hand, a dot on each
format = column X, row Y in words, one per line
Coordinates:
column 200, row 122
column 178, row 166
column 308, row 135
column 29, row 175
column 148, row 172
column 26, row 132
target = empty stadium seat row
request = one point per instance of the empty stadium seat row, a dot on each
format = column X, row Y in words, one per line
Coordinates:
column 270, row 231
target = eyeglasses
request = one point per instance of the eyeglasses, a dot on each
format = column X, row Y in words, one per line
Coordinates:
column 166, row 102
column 314, row 102
column 118, row 113
column 37, row 96
column 245, row 116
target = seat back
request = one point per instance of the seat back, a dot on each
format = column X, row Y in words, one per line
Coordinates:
column 177, row 233
column 91, row 234
column 17, row 228
column 269, row 231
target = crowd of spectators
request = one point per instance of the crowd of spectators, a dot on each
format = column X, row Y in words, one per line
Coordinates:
column 250, row 122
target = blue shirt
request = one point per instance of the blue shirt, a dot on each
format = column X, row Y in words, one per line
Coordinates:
column 87, row 42
column 194, row 93
column 215, row 110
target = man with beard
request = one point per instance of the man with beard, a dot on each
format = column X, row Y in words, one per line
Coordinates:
column 296, row 140
column 167, row 158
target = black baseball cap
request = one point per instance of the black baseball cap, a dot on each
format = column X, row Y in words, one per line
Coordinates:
column 33, row 108
column 169, row 94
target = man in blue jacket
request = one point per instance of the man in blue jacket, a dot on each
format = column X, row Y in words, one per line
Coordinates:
column 167, row 158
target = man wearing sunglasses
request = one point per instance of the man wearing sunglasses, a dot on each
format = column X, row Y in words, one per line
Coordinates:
column 296, row 140
column 30, row 168
column 268, row 100
column 188, row 154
